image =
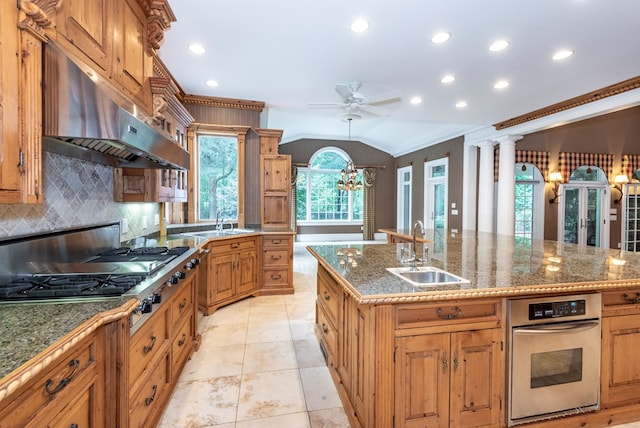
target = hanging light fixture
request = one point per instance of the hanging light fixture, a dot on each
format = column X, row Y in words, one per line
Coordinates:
column 349, row 176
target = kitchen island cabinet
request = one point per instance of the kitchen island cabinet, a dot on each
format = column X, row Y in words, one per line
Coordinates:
column 436, row 355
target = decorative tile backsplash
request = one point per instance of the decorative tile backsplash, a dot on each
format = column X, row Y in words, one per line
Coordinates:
column 76, row 193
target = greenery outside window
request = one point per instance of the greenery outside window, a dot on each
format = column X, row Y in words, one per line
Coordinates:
column 529, row 202
column 217, row 179
column 318, row 198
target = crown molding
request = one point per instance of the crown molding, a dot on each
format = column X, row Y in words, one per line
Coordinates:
column 220, row 102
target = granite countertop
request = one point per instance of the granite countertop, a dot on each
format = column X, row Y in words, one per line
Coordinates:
column 495, row 265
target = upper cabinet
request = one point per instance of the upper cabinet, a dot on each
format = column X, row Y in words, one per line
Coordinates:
column 275, row 182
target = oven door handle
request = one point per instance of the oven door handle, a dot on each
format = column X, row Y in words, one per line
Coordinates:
column 559, row 328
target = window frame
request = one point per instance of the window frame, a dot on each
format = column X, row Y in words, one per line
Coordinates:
column 308, row 172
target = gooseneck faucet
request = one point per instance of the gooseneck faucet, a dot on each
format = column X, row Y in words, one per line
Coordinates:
column 415, row 259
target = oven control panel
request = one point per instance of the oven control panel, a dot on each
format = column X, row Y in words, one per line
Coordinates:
column 566, row 308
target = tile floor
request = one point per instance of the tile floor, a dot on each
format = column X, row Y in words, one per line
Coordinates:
column 260, row 365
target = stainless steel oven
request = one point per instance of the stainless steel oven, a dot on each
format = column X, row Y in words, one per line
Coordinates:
column 554, row 356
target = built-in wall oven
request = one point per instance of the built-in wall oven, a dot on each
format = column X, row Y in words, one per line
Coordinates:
column 554, row 356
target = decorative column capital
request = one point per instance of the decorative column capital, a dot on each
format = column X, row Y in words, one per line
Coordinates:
column 509, row 138
column 485, row 144
column 35, row 16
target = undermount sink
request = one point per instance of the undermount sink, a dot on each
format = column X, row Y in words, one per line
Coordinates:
column 214, row 233
column 427, row 276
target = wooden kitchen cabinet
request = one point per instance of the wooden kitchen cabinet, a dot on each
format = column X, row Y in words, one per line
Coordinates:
column 275, row 182
column 449, row 379
column 149, row 185
column 277, row 264
column 620, row 381
column 232, row 273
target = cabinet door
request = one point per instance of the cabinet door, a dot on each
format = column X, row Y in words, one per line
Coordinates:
column 84, row 26
column 276, row 173
column 422, row 381
column 247, row 271
column 477, row 364
column 222, row 269
column 130, row 50
column 620, row 373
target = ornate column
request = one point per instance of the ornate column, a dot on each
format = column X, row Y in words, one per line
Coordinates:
column 485, row 187
column 369, row 202
column 507, row 185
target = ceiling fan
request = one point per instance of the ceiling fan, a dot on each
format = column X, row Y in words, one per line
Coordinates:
column 355, row 102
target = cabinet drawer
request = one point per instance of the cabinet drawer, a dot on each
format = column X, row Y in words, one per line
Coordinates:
column 275, row 278
column 182, row 344
column 146, row 343
column 275, row 258
column 276, row 241
column 327, row 332
column 448, row 313
column 151, row 393
column 56, row 383
column 329, row 295
column 621, row 302
column 182, row 302
column 233, row 245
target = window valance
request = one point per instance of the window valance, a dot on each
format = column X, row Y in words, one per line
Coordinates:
column 630, row 164
column 538, row 158
column 569, row 161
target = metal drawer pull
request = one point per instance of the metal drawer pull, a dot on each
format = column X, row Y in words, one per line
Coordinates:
column 445, row 362
column 327, row 296
column 633, row 300
column 235, row 245
column 276, row 276
column 325, row 328
column 455, row 361
column 149, row 400
column 276, row 257
column 183, row 304
column 275, row 241
column 183, row 340
column 74, row 364
column 457, row 313
column 73, row 426
column 146, row 349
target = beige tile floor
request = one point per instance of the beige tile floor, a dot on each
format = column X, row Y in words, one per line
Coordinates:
column 259, row 365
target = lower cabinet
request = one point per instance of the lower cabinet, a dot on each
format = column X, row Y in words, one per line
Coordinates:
column 232, row 273
column 449, row 379
column 277, row 264
column 620, row 382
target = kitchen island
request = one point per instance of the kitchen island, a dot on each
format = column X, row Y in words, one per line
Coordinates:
column 402, row 355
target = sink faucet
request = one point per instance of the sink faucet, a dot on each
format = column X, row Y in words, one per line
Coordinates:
column 219, row 222
column 415, row 259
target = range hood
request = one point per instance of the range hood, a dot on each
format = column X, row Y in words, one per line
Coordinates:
column 81, row 120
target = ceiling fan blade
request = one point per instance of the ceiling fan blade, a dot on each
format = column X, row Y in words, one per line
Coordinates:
column 344, row 91
column 375, row 110
column 327, row 105
column 384, row 98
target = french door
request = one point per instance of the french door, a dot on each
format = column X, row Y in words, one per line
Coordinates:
column 435, row 194
column 404, row 198
column 582, row 217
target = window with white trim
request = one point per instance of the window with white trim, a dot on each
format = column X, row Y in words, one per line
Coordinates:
column 318, row 197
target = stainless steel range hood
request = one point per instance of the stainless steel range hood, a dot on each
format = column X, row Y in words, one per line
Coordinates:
column 81, row 120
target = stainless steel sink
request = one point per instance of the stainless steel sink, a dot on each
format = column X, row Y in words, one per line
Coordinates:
column 427, row 276
column 216, row 233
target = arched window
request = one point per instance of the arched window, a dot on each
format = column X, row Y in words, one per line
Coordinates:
column 318, row 198
column 529, row 209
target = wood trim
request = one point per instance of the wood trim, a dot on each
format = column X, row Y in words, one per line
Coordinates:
column 224, row 102
column 264, row 132
column 598, row 94
column 34, row 16
column 220, row 129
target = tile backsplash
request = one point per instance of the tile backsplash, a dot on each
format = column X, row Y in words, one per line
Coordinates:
column 76, row 193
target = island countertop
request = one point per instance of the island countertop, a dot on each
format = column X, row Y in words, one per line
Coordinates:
column 495, row 265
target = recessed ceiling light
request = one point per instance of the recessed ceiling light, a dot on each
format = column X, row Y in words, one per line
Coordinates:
column 359, row 26
column 461, row 104
column 501, row 84
column 562, row 54
column 441, row 37
column 448, row 78
column 196, row 49
column 498, row 45
column 416, row 100
column 212, row 83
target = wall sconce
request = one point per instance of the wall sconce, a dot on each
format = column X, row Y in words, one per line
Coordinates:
column 618, row 181
column 555, row 178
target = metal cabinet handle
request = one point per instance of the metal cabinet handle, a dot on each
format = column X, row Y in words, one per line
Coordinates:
column 149, row 400
column 276, row 276
column 456, row 314
column 327, row 296
column 73, row 426
column 445, row 362
column 235, row 245
column 455, row 360
column 74, row 364
column 183, row 340
column 275, row 241
column 183, row 304
column 278, row 257
column 325, row 328
column 633, row 300
column 146, row 349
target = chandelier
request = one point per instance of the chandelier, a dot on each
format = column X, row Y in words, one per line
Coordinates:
column 349, row 175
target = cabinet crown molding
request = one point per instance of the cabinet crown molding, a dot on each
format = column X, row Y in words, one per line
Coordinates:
column 35, row 16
